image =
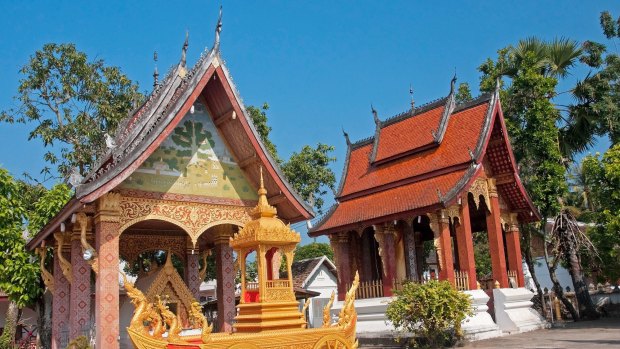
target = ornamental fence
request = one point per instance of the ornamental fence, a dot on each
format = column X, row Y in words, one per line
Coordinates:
column 374, row 288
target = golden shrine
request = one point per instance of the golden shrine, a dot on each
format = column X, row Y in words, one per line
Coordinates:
column 268, row 315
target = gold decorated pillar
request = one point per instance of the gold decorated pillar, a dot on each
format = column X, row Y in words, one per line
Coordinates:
column 79, row 322
column 61, row 293
column 495, row 235
column 384, row 234
column 225, row 268
column 513, row 249
column 192, row 269
column 339, row 243
column 465, row 244
column 107, row 232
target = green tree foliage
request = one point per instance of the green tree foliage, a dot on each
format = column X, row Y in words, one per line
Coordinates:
column 70, row 103
column 47, row 206
column 463, row 93
column 603, row 174
column 309, row 173
column 313, row 250
column 597, row 107
column 483, row 255
column 259, row 119
column 432, row 312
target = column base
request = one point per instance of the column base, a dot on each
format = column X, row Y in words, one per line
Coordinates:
column 513, row 311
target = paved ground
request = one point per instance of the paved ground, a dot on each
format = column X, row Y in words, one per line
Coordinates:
column 603, row 333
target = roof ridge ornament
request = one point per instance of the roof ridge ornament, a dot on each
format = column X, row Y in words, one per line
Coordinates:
column 156, row 72
column 218, row 30
column 346, row 137
column 453, row 82
column 184, row 50
column 445, row 116
column 412, row 100
column 375, row 115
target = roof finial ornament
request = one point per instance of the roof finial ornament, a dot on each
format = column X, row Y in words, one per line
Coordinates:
column 346, row 137
column 453, row 82
column 218, row 30
column 155, row 73
column 498, row 83
column 411, row 94
column 262, row 183
column 374, row 114
column 184, row 51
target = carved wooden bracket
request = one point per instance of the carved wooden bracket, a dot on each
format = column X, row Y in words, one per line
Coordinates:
column 48, row 278
column 480, row 188
column 65, row 265
column 203, row 271
column 88, row 252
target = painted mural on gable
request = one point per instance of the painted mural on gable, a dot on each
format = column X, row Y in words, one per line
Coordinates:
column 192, row 161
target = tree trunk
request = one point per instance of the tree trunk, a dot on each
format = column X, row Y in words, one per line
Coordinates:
column 527, row 252
column 7, row 340
column 44, row 305
column 586, row 307
column 557, row 288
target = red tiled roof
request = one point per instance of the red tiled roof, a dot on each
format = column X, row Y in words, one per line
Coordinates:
column 392, row 201
column 408, row 134
column 461, row 136
column 413, row 171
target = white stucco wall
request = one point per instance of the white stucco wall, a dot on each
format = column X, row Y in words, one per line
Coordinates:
column 324, row 282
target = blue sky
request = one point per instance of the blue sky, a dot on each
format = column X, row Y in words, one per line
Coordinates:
column 319, row 64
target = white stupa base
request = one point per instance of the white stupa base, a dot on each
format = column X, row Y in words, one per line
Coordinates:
column 480, row 325
column 513, row 311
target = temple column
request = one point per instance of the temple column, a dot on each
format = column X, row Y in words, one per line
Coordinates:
column 192, row 271
column 410, row 253
column 225, row 268
column 384, row 234
column 339, row 243
column 496, row 241
column 61, row 295
column 107, row 232
column 80, row 287
column 443, row 245
column 513, row 247
column 465, row 244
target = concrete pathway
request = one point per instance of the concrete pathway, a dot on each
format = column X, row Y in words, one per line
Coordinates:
column 604, row 333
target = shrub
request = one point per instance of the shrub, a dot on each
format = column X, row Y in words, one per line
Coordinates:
column 432, row 312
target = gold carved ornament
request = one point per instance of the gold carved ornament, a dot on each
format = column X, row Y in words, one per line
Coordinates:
column 202, row 273
column 48, row 278
column 327, row 317
column 348, row 314
column 65, row 265
column 304, row 310
column 170, row 319
column 88, row 251
column 480, row 188
column 143, row 309
column 434, row 225
column 200, row 321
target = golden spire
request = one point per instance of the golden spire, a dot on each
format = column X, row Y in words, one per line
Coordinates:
column 263, row 209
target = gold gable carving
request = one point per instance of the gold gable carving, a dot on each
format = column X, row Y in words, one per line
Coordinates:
column 194, row 218
column 480, row 188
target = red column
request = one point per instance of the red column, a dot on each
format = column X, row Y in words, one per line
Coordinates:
column 465, row 244
column 107, row 232
column 225, row 271
column 496, row 241
column 339, row 243
column 192, row 271
column 60, row 306
column 80, row 291
column 444, row 250
column 513, row 247
column 385, row 237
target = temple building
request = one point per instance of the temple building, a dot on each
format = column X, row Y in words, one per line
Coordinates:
column 181, row 174
column 439, row 172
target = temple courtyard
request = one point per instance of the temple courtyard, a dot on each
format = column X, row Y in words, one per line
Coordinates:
column 604, row 333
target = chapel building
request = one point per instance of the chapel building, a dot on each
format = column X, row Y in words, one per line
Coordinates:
column 181, row 174
column 439, row 172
